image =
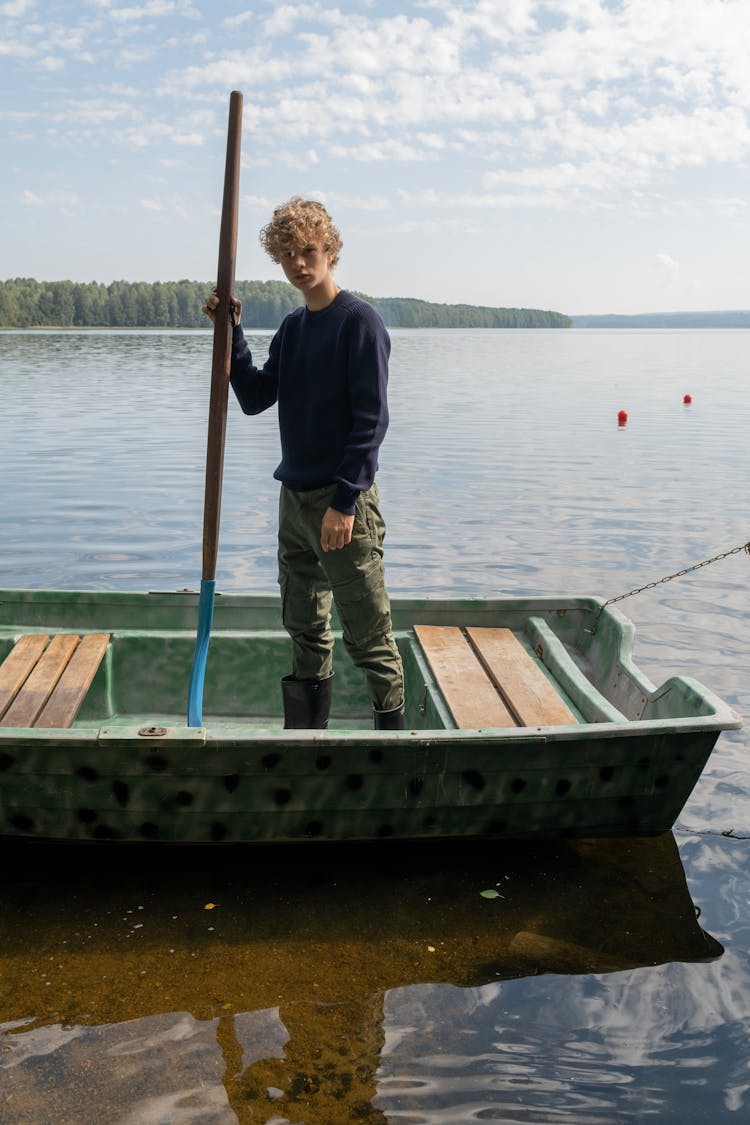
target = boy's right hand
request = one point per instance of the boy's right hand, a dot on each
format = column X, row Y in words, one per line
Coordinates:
column 235, row 308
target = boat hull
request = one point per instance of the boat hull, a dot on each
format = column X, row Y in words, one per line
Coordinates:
column 130, row 769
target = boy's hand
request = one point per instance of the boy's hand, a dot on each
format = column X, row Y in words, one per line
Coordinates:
column 336, row 530
column 235, row 308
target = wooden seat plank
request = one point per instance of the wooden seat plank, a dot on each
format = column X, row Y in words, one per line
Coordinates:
column 527, row 691
column 66, row 699
column 37, row 688
column 471, row 698
column 17, row 666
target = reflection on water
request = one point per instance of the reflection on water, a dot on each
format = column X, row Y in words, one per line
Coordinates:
column 386, row 990
column 287, row 984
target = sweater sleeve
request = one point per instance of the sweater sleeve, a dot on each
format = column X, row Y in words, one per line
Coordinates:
column 255, row 388
column 368, row 353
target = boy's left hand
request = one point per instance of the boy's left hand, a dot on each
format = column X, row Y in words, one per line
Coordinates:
column 336, row 530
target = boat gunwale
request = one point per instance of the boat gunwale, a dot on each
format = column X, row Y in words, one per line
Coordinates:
column 243, row 734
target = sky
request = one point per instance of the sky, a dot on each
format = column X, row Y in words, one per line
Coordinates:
column 586, row 156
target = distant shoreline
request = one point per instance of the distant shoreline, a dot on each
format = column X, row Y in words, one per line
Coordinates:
column 720, row 319
column 26, row 303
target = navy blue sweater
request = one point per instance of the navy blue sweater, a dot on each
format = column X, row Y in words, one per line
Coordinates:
column 328, row 371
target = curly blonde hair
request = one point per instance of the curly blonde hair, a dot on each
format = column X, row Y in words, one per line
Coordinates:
column 298, row 222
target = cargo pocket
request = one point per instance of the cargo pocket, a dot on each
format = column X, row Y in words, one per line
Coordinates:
column 363, row 607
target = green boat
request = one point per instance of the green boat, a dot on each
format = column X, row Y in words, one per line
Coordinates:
column 524, row 717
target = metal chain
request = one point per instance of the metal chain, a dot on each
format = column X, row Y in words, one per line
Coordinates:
column 679, row 573
column 668, row 578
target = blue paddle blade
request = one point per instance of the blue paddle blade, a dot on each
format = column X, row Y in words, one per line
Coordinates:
column 198, row 674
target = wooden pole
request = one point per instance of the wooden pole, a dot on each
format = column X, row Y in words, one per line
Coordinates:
column 217, row 410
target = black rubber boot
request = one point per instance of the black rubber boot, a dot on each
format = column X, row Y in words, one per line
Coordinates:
column 389, row 720
column 307, row 703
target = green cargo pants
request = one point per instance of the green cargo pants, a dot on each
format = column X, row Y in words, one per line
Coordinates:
column 309, row 577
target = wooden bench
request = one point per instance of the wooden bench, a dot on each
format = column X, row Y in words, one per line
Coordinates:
column 43, row 683
column 488, row 679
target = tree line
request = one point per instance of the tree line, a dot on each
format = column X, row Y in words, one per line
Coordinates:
column 27, row 303
column 407, row 312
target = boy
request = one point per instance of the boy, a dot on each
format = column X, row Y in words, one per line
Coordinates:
column 327, row 369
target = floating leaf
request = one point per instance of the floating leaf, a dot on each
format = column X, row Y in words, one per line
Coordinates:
column 210, row 906
column 490, row 894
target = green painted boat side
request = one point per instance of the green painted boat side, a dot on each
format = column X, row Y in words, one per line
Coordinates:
column 130, row 769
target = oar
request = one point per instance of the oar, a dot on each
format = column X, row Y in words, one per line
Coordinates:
column 217, row 411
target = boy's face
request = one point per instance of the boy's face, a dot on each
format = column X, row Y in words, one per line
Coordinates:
column 308, row 267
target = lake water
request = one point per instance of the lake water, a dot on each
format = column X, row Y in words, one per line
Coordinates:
column 608, row 982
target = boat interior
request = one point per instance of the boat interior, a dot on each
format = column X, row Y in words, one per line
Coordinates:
column 530, row 666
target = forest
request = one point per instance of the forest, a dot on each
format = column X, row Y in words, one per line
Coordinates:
column 27, row 303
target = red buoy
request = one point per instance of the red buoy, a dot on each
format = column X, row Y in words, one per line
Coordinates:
column 687, row 399
column 622, row 418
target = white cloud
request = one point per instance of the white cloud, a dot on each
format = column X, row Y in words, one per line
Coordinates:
column 170, row 208
column 15, row 48
column 133, row 56
column 730, row 206
column 193, row 139
column 373, row 202
column 258, row 202
column 239, row 19
column 525, row 196
column 668, row 265
column 393, row 45
column 154, row 9
column 500, row 20
column 64, row 201
column 78, row 113
column 15, row 115
column 16, row 9
column 595, row 175
column 283, row 19
column 132, row 128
